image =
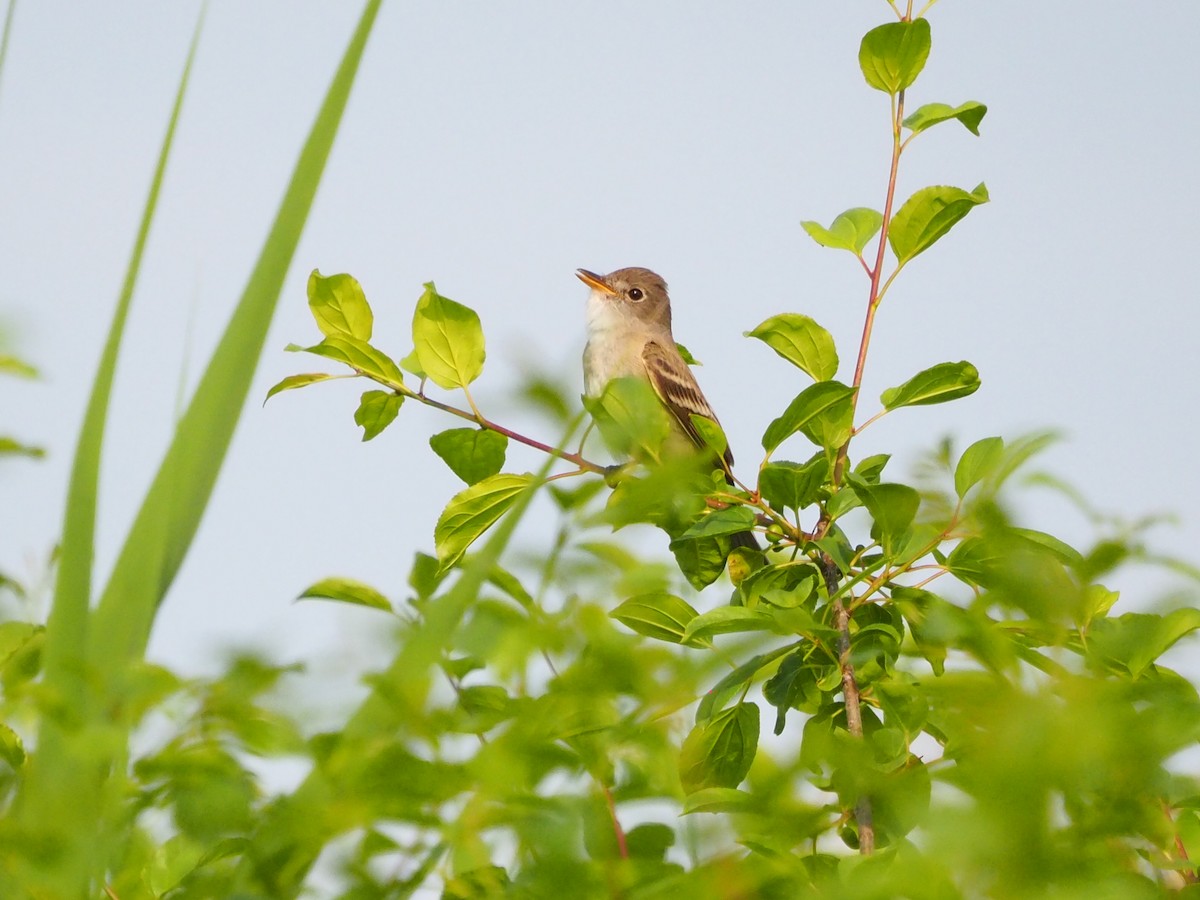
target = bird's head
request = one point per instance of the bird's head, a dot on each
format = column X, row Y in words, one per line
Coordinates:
column 627, row 296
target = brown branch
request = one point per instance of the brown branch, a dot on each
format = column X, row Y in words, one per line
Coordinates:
column 863, row 814
column 1188, row 875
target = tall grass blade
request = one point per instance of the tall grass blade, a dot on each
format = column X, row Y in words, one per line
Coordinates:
column 170, row 514
column 58, row 794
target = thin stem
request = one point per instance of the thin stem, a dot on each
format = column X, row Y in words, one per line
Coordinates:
column 1188, row 875
column 876, row 274
column 875, row 418
column 483, row 422
column 622, row 846
column 863, row 813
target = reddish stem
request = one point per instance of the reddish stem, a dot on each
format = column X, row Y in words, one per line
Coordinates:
column 479, row 420
column 622, row 846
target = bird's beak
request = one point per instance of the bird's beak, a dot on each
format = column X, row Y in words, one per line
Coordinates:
column 594, row 281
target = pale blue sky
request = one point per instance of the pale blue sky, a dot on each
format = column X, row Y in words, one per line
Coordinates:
column 497, row 147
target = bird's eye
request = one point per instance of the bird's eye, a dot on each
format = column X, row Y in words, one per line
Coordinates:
column 636, row 294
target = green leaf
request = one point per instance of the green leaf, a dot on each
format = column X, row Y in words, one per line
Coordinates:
column 13, row 447
column 735, row 682
column 687, row 355
column 728, row 620
column 297, row 381
column 970, row 114
column 789, row 485
column 871, row 467
column 701, row 560
column 472, row 512
column 376, row 411
column 658, row 615
column 793, row 686
column 892, row 56
column 347, row 590
column 358, row 355
column 719, row 752
column 10, row 365
column 15, row 637
column 976, row 463
column 631, row 418
column 937, row 384
column 802, row 342
column 851, row 230
column 472, row 454
column 892, row 507
column 412, row 363
column 339, row 306
column 12, row 750
column 824, row 404
column 783, row 586
column 731, row 520
column 712, row 435
column 448, row 340
column 717, row 800
column 1137, row 640
column 927, row 215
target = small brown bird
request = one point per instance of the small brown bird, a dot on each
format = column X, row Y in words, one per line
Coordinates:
column 629, row 335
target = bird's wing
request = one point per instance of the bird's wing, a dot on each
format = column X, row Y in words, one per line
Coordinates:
column 676, row 387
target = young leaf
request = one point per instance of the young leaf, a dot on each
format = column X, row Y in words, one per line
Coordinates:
column 687, row 355
column 800, row 341
column 358, row 355
column 659, row 615
column 977, row 463
column 892, row 56
column 789, row 485
column 448, row 340
column 347, row 590
column 11, row 365
column 970, row 114
column 871, row 467
column 339, row 306
column 297, row 381
column 12, row 447
column 376, row 411
column 809, row 405
column 937, row 384
column 719, row 752
column 472, row 512
column 851, row 231
column 927, row 215
column 472, row 454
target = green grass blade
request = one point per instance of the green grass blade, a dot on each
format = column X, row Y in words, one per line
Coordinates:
column 8, row 19
column 171, row 512
column 55, row 799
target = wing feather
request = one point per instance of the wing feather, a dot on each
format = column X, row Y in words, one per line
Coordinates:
column 676, row 387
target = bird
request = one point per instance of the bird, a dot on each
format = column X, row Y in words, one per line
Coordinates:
column 629, row 335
